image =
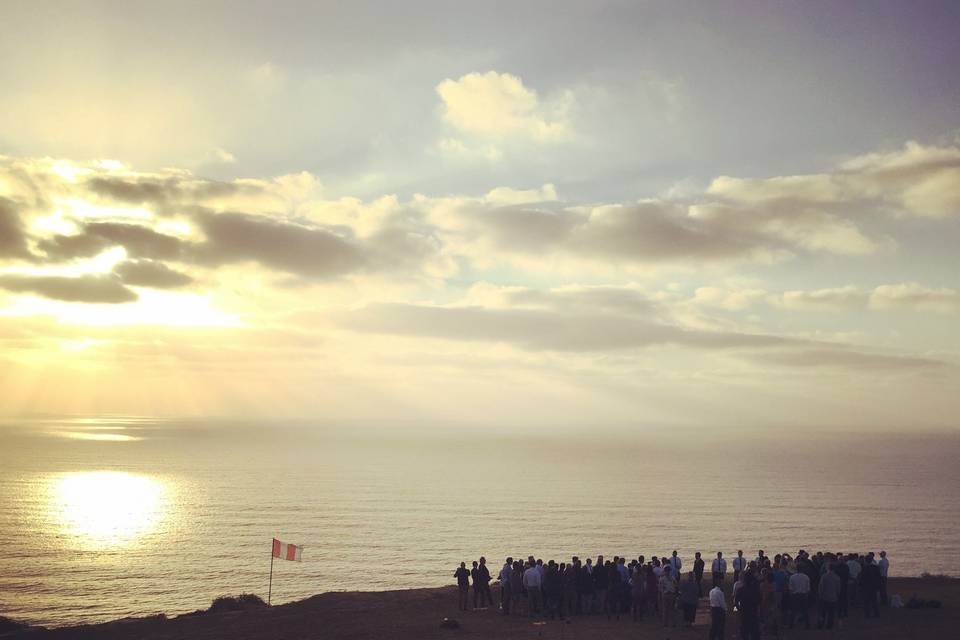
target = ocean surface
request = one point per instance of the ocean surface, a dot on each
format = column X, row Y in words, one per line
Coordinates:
column 109, row 517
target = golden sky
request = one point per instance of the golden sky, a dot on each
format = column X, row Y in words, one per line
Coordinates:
column 470, row 231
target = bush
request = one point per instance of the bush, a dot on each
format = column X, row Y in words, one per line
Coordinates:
column 236, row 603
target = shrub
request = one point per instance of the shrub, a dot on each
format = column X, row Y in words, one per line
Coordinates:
column 236, row 603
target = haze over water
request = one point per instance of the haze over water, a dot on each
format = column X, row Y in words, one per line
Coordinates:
column 107, row 518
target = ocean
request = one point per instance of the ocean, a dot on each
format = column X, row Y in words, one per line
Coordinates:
column 106, row 517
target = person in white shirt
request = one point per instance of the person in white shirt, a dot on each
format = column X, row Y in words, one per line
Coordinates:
column 718, row 613
column 657, row 568
column 532, row 580
column 719, row 569
column 884, row 565
column 799, row 585
column 675, row 564
column 739, row 565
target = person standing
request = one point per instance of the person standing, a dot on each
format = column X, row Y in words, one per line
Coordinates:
column 689, row 597
column 870, row 588
column 516, row 586
column 652, row 591
column 698, row 565
column 799, row 585
column 614, row 590
column 533, row 582
column 463, row 586
column 854, row 567
column 475, row 577
column 829, row 594
column 600, row 583
column 483, row 573
column 570, row 575
column 638, row 584
column 718, row 613
column 843, row 573
column 749, row 601
column 719, row 570
column 884, row 565
column 739, row 565
column 585, row 588
column 668, row 596
column 504, row 578
column 553, row 590
column 676, row 564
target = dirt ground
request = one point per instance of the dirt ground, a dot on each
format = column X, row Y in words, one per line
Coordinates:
column 415, row 614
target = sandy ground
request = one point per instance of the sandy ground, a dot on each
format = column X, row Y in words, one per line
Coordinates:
column 415, row 614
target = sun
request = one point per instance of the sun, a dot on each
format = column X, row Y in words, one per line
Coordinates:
column 108, row 508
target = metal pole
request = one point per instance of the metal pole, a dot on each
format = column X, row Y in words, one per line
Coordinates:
column 270, row 590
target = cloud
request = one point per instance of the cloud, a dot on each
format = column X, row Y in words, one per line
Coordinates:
column 915, row 296
column 13, row 241
column 147, row 273
column 909, row 296
column 721, row 298
column 499, row 105
column 138, row 240
column 848, row 359
column 915, row 180
column 92, row 289
column 538, row 329
column 292, row 248
column 647, row 232
column 841, row 298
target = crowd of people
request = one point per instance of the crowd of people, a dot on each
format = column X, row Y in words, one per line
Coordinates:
column 768, row 593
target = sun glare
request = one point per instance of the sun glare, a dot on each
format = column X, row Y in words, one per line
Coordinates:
column 108, row 508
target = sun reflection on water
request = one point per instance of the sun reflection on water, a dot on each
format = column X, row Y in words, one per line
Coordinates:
column 108, row 508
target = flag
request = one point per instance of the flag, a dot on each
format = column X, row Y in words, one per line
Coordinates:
column 286, row 551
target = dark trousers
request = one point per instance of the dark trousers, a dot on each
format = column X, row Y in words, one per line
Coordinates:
column 736, row 575
column 718, row 623
column 718, row 579
column 842, row 604
column 699, row 579
column 884, row 599
column 798, row 607
column 870, row 606
column 827, row 612
column 749, row 625
column 462, row 598
column 505, row 598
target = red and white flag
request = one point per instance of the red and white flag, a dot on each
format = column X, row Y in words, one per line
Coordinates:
column 286, row 551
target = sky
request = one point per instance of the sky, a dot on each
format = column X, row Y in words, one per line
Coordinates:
column 576, row 215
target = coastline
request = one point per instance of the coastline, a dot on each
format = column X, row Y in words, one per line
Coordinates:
column 412, row 614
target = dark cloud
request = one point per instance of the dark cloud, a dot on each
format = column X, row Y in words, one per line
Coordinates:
column 96, row 289
column 536, row 329
column 307, row 251
column 13, row 240
column 138, row 240
column 148, row 273
column 159, row 191
column 64, row 247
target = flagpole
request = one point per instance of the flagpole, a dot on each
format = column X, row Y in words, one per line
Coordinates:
column 270, row 590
